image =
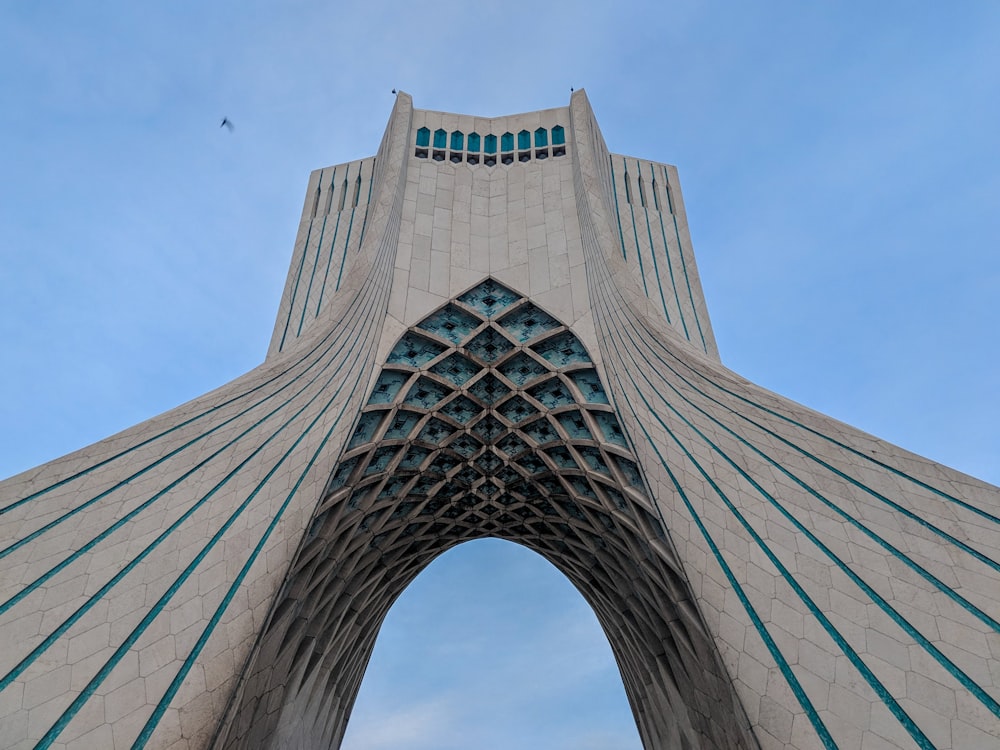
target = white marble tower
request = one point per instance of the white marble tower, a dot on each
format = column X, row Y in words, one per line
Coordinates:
column 495, row 327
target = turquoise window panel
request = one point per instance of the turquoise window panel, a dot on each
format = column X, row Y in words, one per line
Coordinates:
column 426, row 393
column 365, row 430
column 522, row 369
column 616, row 497
column 401, row 425
column 473, row 142
column 461, row 409
column 593, row 458
column 488, row 489
column 435, row 432
column 467, row 476
column 432, row 506
column 652, row 522
column 507, row 142
column 589, row 384
column 393, row 487
column 457, row 141
column 443, row 463
column 466, row 446
column 541, row 138
column 489, row 428
column 440, row 138
column 524, row 139
column 513, row 446
column 558, row 136
column 490, row 298
column 516, row 410
column 571, row 508
column 368, row 521
column 489, row 462
column 450, row 323
column 490, row 144
column 550, row 485
column 532, row 464
column 344, row 469
column 414, row 458
column 562, row 350
column 381, row 459
column 575, row 426
column 582, row 487
column 540, row 431
column 546, row 508
column 358, row 497
column 489, row 346
column 387, row 386
column 606, row 521
column 630, row 471
column 528, row 322
column 610, row 427
column 489, row 389
column 552, row 394
column 508, row 475
column 414, row 351
column 456, row 368
column 412, row 529
column 562, row 458
column 423, row 137
column 424, row 484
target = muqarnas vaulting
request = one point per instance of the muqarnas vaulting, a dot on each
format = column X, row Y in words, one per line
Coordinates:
column 495, row 328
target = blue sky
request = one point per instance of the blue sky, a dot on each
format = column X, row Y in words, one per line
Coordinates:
column 840, row 167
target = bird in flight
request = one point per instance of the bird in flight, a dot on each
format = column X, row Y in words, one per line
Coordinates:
column 226, row 124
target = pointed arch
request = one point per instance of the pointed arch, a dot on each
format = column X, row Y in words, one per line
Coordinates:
column 488, row 419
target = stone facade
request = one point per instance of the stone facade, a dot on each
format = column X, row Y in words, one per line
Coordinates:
column 495, row 327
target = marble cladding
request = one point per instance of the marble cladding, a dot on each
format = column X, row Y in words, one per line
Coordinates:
column 850, row 590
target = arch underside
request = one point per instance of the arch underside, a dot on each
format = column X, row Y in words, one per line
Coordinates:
column 489, row 419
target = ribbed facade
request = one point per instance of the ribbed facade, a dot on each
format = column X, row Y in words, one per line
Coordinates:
column 495, row 328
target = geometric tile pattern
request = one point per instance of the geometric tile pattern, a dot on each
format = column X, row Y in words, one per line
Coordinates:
column 488, row 420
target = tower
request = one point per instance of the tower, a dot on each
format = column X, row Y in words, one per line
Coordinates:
column 495, row 327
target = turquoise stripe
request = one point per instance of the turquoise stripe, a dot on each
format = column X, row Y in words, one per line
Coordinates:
column 368, row 203
column 329, row 261
column 638, row 248
column 349, row 336
column 594, row 262
column 925, row 574
column 26, row 662
column 319, row 249
column 102, row 674
column 211, row 410
column 831, row 631
column 618, row 212
column 896, row 506
column 759, row 626
column 191, row 659
column 889, row 610
column 175, row 684
column 343, row 260
column 295, row 290
column 666, row 255
column 69, row 514
column 687, row 279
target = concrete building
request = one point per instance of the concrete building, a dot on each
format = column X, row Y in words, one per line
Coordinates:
column 495, row 328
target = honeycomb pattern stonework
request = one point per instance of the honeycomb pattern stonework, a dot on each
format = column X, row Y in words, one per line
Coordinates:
column 482, row 424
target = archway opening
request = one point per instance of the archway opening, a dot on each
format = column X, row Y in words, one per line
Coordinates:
column 491, row 647
column 488, row 419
